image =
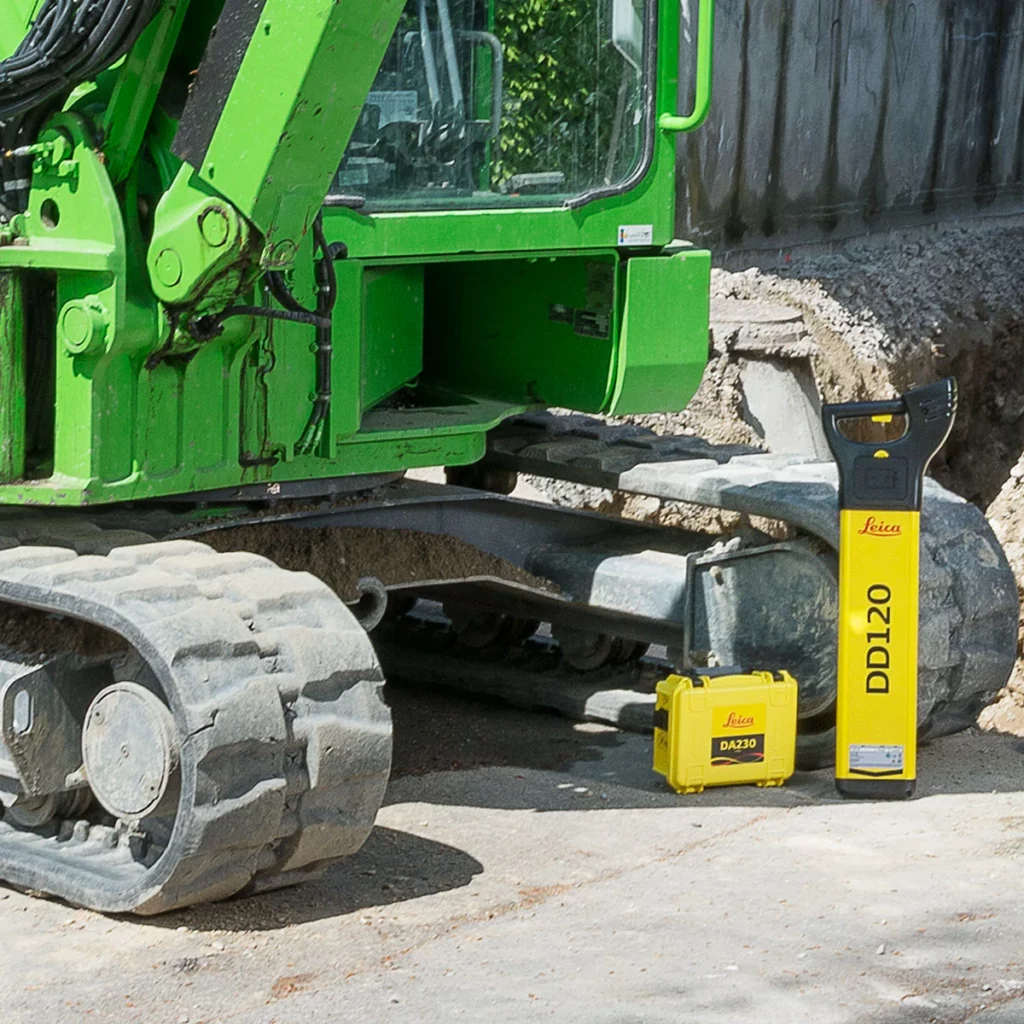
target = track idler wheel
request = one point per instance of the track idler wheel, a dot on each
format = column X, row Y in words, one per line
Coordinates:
column 130, row 752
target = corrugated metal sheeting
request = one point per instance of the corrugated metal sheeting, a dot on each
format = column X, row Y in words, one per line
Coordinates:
column 836, row 117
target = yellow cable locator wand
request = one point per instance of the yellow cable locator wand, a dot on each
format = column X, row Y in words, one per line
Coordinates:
column 880, row 488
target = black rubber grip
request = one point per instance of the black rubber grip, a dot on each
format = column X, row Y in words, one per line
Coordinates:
column 889, row 475
column 876, row 789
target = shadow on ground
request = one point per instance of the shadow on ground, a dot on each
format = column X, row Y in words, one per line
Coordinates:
column 443, row 731
column 451, row 750
column 439, row 735
column 392, row 867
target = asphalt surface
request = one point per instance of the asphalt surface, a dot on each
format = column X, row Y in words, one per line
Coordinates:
column 529, row 869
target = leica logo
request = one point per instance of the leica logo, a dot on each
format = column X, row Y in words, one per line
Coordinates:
column 875, row 528
column 735, row 721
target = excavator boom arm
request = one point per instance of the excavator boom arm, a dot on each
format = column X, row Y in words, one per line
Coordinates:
column 265, row 126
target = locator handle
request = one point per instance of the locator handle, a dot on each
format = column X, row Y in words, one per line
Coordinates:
column 889, row 475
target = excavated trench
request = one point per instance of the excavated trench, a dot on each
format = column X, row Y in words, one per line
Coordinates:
column 983, row 460
column 988, row 437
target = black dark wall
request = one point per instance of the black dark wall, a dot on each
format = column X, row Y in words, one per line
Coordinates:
column 838, row 117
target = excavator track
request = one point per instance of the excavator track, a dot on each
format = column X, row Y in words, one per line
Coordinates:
column 969, row 603
column 285, row 743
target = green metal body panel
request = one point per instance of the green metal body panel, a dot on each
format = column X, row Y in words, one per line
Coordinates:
column 449, row 318
column 15, row 18
column 12, row 391
column 539, row 331
column 653, row 372
column 392, row 335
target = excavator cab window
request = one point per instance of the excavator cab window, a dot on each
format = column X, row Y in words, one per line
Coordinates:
column 501, row 102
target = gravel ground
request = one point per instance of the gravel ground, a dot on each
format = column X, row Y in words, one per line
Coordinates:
column 525, row 868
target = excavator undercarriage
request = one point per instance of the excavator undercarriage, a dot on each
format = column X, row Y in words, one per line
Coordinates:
column 230, row 710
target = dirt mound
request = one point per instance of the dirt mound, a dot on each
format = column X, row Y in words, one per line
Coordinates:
column 893, row 313
column 865, row 321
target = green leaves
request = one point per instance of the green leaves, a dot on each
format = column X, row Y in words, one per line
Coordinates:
column 562, row 83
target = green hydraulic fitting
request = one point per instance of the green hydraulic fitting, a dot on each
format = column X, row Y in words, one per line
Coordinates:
column 83, row 326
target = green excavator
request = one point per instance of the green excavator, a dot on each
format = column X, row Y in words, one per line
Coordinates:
column 260, row 259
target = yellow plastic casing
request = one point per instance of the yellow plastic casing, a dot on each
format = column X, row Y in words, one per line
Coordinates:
column 725, row 730
column 876, row 717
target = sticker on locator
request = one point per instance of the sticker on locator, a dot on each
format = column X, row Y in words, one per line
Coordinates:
column 876, row 756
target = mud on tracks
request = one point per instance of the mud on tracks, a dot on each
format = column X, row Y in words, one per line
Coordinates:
column 27, row 634
column 340, row 556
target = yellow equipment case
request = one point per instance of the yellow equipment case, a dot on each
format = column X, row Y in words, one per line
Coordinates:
column 725, row 730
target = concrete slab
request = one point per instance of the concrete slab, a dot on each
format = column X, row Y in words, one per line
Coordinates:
column 545, row 874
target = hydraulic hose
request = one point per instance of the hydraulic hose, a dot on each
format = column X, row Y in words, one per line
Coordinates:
column 70, row 42
column 209, row 327
column 326, row 297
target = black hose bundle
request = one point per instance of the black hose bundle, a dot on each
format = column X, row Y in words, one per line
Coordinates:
column 209, row 327
column 70, row 42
